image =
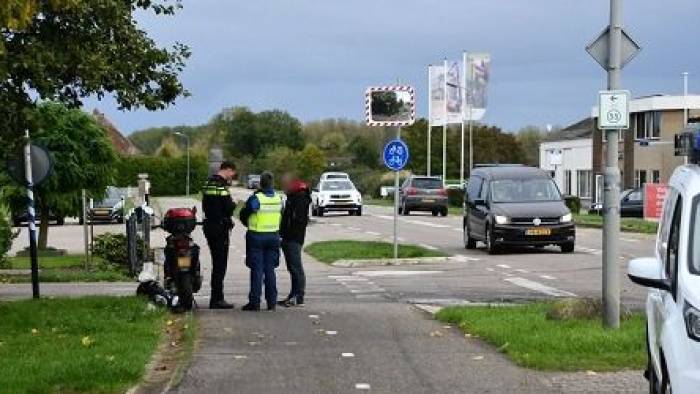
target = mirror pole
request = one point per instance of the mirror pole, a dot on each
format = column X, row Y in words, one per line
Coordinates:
column 396, row 204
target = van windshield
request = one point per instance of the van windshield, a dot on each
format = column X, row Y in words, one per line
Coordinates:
column 524, row 190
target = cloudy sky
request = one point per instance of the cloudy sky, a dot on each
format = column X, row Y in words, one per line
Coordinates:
column 314, row 58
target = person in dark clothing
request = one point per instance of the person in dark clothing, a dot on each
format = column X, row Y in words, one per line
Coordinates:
column 295, row 218
column 262, row 214
column 218, row 207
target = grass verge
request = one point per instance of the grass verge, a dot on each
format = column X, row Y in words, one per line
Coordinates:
column 90, row 344
column 525, row 335
column 632, row 225
column 68, row 268
column 332, row 251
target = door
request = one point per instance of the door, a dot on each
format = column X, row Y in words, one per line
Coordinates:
column 472, row 194
column 481, row 212
column 632, row 204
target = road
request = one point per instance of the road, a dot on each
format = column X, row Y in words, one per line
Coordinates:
column 360, row 329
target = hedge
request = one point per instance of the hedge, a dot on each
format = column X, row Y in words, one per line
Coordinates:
column 167, row 175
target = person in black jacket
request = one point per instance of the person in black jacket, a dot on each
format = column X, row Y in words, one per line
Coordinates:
column 218, row 207
column 295, row 218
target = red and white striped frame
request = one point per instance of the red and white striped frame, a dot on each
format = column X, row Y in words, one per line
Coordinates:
column 389, row 88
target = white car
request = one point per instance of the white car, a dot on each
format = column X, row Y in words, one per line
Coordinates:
column 673, row 279
column 326, row 176
column 336, row 195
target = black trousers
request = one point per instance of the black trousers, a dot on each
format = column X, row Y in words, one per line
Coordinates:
column 292, row 256
column 218, row 246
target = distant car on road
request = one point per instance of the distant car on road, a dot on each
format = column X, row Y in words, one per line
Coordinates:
column 336, row 195
column 21, row 217
column 513, row 205
column 107, row 210
column 327, row 176
column 253, row 181
column 673, row 279
column 423, row 193
column 631, row 204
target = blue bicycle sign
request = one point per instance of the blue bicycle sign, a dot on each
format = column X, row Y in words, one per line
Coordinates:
column 396, row 155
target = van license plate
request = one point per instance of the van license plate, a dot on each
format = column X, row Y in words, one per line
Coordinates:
column 428, row 200
column 184, row 261
column 538, row 231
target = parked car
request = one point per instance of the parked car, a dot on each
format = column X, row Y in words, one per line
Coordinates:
column 253, row 181
column 326, row 176
column 423, row 193
column 336, row 195
column 631, row 204
column 672, row 276
column 21, row 217
column 107, row 210
column 509, row 205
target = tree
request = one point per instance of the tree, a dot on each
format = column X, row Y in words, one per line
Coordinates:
column 311, row 163
column 83, row 159
column 67, row 50
column 250, row 134
column 529, row 139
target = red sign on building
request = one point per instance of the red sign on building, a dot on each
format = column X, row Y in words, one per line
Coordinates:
column 654, row 197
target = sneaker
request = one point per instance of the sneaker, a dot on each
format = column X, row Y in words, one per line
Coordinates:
column 221, row 304
column 290, row 302
column 251, row 307
column 271, row 307
column 283, row 302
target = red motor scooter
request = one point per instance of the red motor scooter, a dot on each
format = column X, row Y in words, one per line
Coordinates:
column 181, row 267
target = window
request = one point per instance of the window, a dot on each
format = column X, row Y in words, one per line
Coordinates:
column 427, row 183
column 524, row 190
column 473, row 188
column 647, row 125
column 655, row 176
column 671, row 265
column 484, row 193
column 336, row 185
column 694, row 254
column 665, row 224
column 584, row 183
column 567, row 182
column 640, row 178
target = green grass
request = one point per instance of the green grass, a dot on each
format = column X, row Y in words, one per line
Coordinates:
column 91, row 344
column 331, row 251
column 633, row 225
column 530, row 340
column 68, row 268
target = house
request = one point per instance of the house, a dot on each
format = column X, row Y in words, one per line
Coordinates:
column 122, row 145
column 575, row 154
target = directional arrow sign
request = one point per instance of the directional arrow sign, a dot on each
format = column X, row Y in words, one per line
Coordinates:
column 613, row 109
column 599, row 49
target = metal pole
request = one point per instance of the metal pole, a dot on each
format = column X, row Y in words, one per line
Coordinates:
column 685, row 99
column 611, row 211
column 31, row 216
column 444, row 132
column 471, row 142
column 187, row 192
column 430, row 119
column 396, row 204
column 85, row 230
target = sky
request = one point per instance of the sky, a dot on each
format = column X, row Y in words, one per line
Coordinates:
column 315, row 58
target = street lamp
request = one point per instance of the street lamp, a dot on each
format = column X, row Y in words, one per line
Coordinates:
column 186, row 137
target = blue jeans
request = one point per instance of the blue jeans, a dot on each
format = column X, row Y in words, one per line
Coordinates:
column 262, row 257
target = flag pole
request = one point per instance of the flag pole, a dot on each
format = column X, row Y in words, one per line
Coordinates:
column 444, row 129
column 430, row 119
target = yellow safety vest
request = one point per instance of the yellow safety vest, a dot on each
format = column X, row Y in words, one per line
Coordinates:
column 267, row 219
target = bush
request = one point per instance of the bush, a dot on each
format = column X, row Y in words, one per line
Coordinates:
column 366, row 180
column 167, row 174
column 573, row 203
column 455, row 197
column 113, row 249
column 6, row 232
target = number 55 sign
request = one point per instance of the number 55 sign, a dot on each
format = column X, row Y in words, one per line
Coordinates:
column 613, row 109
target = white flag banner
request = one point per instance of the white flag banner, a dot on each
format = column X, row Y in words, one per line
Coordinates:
column 453, row 88
column 478, row 72
column 436, row 86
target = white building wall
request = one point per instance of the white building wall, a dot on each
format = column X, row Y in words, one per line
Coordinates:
column 576, row 156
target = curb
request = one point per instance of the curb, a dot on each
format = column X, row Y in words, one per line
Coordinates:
column 388, row 262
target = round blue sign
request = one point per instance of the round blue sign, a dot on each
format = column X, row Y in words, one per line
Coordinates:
column 396, row 155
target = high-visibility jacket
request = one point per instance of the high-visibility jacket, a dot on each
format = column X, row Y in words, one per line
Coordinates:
column 266, row 219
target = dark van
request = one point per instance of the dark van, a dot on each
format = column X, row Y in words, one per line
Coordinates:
column 513, row 205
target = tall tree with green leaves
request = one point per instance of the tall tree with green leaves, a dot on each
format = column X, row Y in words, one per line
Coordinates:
column 67, row 50
column 83, row 158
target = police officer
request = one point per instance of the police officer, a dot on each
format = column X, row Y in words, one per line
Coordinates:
column 262, row 215
column 218, row 209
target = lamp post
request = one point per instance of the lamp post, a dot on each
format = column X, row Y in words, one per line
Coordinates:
column 186, row 137
column 685, row 98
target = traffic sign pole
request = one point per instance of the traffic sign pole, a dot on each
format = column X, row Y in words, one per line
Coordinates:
column 31, row 217
column 611, row 197
column 396, row 204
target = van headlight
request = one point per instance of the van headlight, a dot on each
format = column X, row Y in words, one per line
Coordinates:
column 501, row 219
column 566, row 218
column 692, row 321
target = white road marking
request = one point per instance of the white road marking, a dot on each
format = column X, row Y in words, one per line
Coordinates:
column 429, row 247
column 336, row 224
column 629, row 240
column 589, row 250
column 374, row 274
column 362, row 386
column 368, row 296
column 489, row 269
column 368, row 291
column 341, row 278
column 539, row 287
column 347, row 355
column 423, row 223
column 331, row 332
column 313, row 316
column 548, row 277
column 463, row 258
column 353, row 229
column 459, row 230
column 376, row 234
column 504, row 266
column 386, row 217
column 522, row 271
